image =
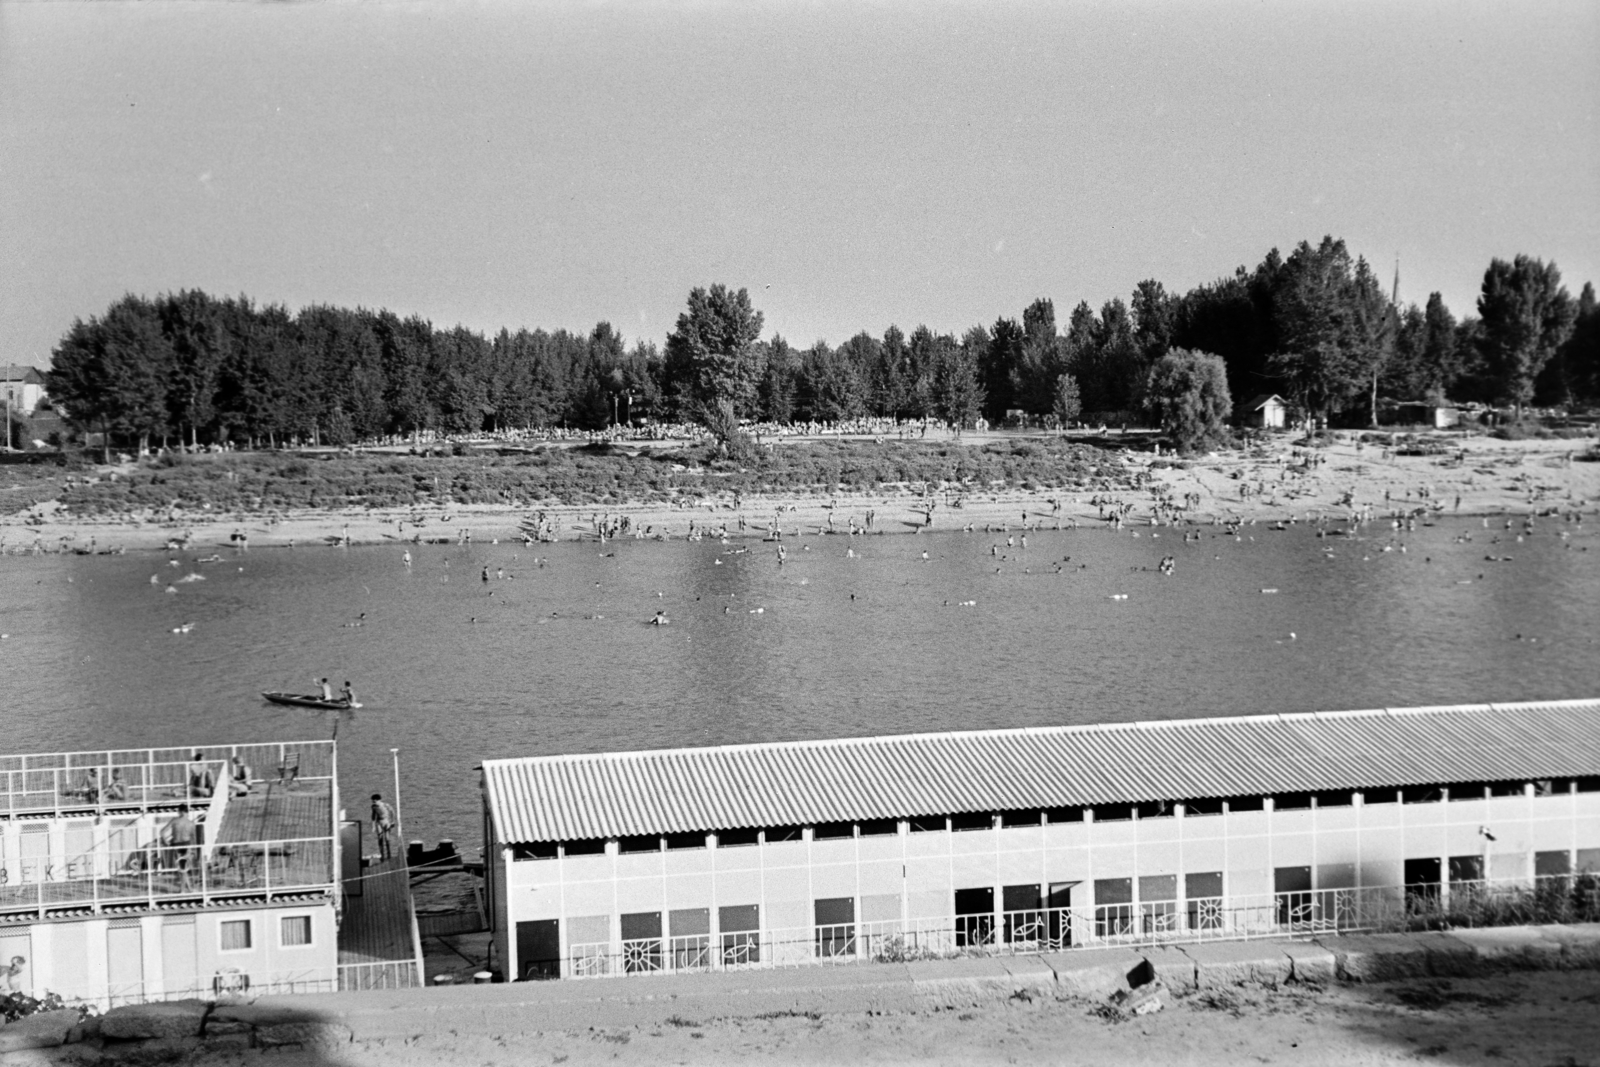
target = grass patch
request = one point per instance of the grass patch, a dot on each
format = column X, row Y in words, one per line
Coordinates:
column 268, row 482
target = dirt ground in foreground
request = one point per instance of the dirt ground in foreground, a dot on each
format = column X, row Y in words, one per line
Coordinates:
column 1544, row 1019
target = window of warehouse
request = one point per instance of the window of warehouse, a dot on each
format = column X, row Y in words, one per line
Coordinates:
column 741, row 933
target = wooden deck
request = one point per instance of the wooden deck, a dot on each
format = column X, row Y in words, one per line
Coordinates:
column 377, row 925
column 276, row 812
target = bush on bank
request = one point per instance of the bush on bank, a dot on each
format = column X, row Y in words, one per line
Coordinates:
column 281, row 481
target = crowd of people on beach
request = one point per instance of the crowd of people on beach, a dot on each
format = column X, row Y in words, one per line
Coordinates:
column 880, row 429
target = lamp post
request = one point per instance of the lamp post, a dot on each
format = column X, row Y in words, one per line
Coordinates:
column 394, row 754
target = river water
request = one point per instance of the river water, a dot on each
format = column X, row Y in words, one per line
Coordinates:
column 560, row 657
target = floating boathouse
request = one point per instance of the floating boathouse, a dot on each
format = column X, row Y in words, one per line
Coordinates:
column 890, row 848
column 158, row 873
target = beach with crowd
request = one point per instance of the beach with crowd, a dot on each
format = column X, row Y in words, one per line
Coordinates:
column 1274, row 478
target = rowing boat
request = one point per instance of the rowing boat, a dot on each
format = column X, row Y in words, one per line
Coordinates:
column 306, row 700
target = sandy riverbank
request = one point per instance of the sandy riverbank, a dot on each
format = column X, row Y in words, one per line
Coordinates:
column 1474, row 476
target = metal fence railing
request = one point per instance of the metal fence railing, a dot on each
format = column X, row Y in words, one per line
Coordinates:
column 123, row 875
column 60, row 783
column 1556, row 898
column 389, row 974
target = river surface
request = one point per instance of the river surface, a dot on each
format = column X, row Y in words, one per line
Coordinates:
column 560, row 657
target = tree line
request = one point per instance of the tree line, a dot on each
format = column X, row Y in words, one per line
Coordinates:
column 1316, row 327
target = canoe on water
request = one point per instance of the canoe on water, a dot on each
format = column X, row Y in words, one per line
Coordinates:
column 307, row 700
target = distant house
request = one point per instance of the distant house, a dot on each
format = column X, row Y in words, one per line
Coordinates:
column 1267, row 412
column 1425, row 413
column 22, row 387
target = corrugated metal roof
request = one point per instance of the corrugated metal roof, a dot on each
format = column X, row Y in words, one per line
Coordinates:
column 612, row 794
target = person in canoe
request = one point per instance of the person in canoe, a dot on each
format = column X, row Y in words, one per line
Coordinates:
column 327, row 691
column 347, row 694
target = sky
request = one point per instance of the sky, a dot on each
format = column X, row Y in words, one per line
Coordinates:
column 852, row 164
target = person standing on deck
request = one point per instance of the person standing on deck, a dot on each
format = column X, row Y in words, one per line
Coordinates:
column 179, row 835
column 383, row 826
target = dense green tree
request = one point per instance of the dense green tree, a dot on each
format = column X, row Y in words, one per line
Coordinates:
column 1527, row 315
column 199, row 350
column 1233, row 317
column 892, row 383
column 1040, row 360
column 1188, row 393
column 998, row 363
column 832, row 388
column 708, row 355
column 1334, row 327
column 958, row 389
column 1573, row 374
column 1426, row 364
column 110, row 374
column 1155, row 317
column 1065, row 405
column 780, row 382
column 922, row 353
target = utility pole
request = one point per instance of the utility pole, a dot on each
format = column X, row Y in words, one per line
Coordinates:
column 394, row 754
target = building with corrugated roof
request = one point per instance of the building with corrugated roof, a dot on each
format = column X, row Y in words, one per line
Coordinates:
column 1023, row 840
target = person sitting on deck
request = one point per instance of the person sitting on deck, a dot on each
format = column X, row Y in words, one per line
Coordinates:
column 238, row 777
column 90, row 789
column 116, row 789
column 201, row 782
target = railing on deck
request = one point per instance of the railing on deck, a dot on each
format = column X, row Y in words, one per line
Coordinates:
column 59, row 783
column 143, row 876
column 1555, row 898
column 390, row 974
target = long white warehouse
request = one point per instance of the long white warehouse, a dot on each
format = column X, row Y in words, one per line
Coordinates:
column 1022, row 840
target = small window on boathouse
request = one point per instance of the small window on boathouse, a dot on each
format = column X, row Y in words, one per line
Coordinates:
column 589, row 846
column 735, row 838
column 639, row 843
column 536, row 850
